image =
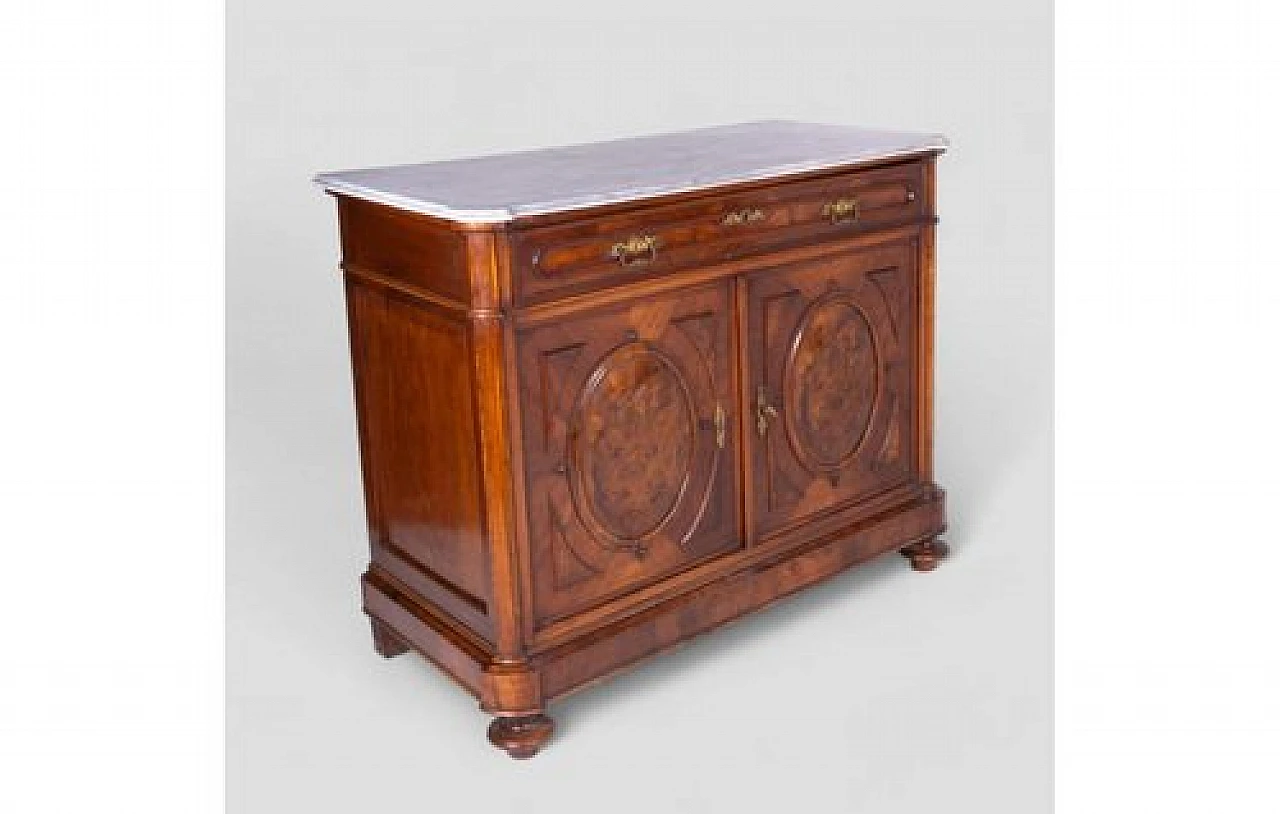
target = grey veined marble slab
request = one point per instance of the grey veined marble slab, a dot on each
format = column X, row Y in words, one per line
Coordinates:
column 495, row 188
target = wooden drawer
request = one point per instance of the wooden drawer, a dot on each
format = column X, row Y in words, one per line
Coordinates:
column 595, row 252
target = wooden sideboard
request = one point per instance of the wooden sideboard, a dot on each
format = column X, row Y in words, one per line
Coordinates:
column 613, row 396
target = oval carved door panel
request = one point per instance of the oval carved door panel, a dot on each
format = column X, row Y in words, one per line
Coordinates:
column 831, row 381
column 632, row 443
column 830, row 353
column 628, row 437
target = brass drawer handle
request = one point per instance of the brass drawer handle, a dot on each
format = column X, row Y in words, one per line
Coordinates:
column 841, row 209
column 719, row 425
column 636, row 249
column 742, row 216
column 764, row 412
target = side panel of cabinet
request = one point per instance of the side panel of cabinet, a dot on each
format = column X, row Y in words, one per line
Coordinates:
column 831, row 379
column 418, row 440
column 629, row 430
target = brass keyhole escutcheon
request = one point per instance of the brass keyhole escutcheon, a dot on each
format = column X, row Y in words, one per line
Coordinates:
column 765, row 411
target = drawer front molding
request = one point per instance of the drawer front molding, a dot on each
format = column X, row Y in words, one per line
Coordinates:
column 661, row 239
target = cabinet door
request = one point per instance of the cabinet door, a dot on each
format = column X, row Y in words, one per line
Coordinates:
column 629, row 450
column 830, row 359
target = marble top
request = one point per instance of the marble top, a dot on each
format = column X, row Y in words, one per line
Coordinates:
column 496, row 188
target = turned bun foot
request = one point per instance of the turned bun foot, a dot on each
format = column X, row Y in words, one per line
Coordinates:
column 387, row 643
column 926, row 554
column 521, row 737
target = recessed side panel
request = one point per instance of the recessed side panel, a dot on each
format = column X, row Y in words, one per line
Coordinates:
column 418, row 436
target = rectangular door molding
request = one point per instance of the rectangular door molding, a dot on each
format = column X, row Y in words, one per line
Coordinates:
column 829, row 357
column 630, row 446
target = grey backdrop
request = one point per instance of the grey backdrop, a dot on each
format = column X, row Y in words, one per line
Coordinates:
column 883, row 690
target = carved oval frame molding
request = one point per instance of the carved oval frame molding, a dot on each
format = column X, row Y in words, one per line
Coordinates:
column 582, row 461
column 794, row 388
